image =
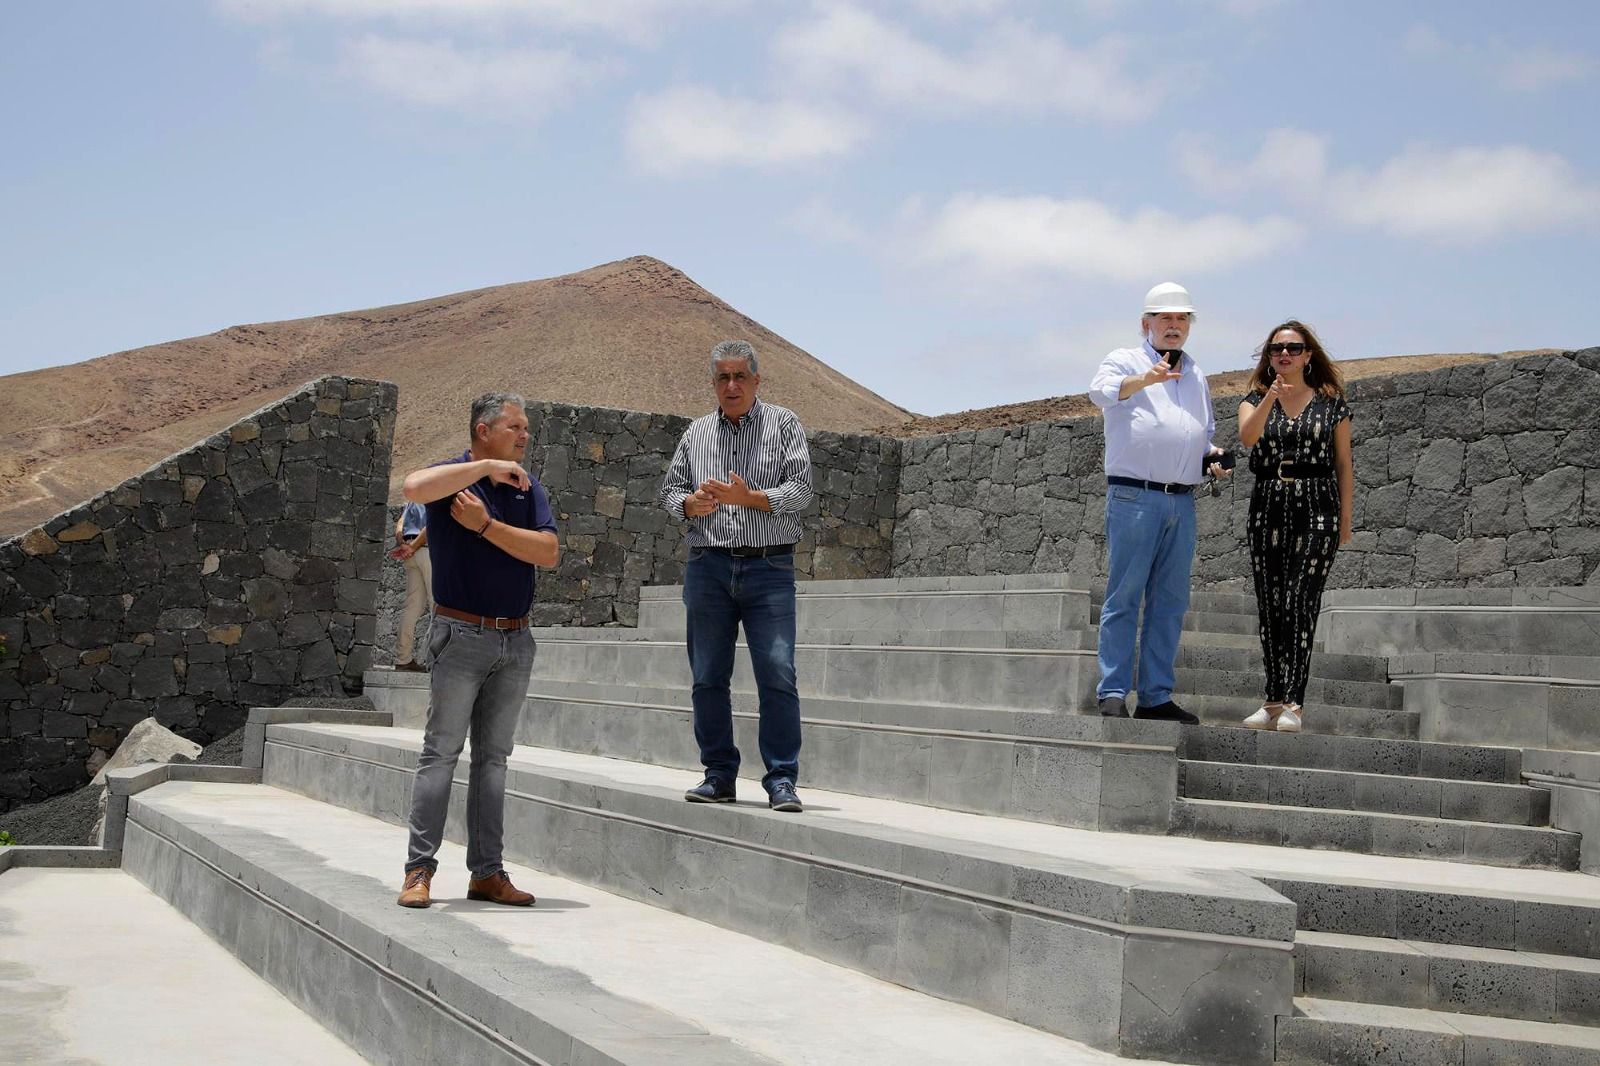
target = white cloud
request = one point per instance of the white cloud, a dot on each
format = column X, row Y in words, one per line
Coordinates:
column 1536, row 69
column 690, row 127
column 1288, row 160
column 1010, row 66
column 1527, row 69
column 1463, row 195
column 500, row 83
column 629, row 18
column 821, row 221
column 1452, row 195
column 999, row 235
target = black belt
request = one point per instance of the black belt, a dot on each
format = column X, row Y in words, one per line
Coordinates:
column 1174, row 488
column 1289, row 470
column 755, row 553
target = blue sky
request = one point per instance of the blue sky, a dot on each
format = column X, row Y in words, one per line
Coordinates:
column 956, row 202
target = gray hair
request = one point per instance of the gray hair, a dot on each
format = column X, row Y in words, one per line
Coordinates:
column 733, row 350
column 488, row 407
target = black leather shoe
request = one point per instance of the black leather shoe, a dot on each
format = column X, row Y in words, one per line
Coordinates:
column 1114, row 707
column 1166, row 712
column 711, row 791
column 784, row 798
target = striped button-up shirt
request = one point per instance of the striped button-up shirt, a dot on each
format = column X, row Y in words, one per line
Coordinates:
column 768, row 449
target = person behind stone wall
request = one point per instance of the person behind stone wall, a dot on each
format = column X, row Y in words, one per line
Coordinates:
column 411, row 548
column 1296, row 424
column 489, row 524
column 1158, row 427
column 740, row 478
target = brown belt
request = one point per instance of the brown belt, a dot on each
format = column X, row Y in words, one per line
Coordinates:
column 482, row 621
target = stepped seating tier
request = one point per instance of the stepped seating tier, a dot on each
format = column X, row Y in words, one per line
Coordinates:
column 983, row 871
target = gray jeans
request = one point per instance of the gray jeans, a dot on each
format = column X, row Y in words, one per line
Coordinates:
column 479, row 681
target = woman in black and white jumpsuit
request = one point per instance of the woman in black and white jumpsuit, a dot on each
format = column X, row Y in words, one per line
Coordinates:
column 1295, row 422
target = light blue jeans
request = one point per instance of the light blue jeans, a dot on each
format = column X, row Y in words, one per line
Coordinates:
column 1150, row 539
column 479, row 681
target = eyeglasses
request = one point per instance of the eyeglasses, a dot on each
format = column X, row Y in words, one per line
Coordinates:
column 1291, row 348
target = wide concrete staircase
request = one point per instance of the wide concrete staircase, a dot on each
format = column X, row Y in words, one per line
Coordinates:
column 983, row 872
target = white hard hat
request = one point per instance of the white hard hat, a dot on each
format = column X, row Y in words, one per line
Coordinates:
column 1168, row 296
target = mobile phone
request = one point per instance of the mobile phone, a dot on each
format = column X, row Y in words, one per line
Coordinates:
column 1227, row 460
column 1173, row 357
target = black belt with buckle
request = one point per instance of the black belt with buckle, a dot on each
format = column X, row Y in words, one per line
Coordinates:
column 1289, row 470
column 755, row 553
column 1173, row 488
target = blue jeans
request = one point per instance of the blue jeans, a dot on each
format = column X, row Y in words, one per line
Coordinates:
column 720, row 591
column 479, row 681
column 1150, row 538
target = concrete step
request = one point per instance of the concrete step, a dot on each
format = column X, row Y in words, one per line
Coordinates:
column 1025, row 679
column 1547, row 629
column 98, row 969
column 1193, row 652
column 1022, row 603
column 1339, row 1033
column 1452, row 840
column 1560, row 917
column 1531, row 711
column 1209, row 622
column 1093, row 784
column 1322, row 719
column 1246, row 685
column 1409, row 758
column 889, row 638
column 1192, row 966
column 1200, row 602
column 304, row 892
column 1428, row 797
column 1447, row 977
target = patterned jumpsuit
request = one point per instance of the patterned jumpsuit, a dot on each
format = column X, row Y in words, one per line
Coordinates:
column 1293, row 534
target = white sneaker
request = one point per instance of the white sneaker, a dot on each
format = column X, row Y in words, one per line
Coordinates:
column 1289, row 720
column 1262, row 719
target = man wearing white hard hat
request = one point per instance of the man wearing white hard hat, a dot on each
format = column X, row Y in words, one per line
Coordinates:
column 1159, row 424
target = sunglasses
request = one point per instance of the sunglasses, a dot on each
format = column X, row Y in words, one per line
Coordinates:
column 1291, row 348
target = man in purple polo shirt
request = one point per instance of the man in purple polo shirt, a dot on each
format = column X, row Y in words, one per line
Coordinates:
column 489, row 525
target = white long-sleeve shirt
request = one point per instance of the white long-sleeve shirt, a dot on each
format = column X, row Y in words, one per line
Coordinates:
column 1160, row 433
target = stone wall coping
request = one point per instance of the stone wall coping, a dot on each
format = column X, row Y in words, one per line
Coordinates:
column 255, row 727
column 1562, row 767
column 56, row 857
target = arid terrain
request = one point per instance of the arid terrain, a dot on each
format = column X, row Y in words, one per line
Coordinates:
column 631, row 334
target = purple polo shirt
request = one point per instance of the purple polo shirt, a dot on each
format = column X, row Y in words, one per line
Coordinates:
column 471, row 574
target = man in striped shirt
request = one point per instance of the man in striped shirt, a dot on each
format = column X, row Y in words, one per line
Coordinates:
column 740, row 478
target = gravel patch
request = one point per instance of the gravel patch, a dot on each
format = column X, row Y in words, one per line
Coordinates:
column 69, row 819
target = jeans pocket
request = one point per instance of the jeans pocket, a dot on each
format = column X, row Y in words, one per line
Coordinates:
column 1125, row 493
column 783, row 563
column 439, row 638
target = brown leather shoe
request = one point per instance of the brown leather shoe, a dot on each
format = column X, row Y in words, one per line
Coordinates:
column 497, row 888
column 414, row 893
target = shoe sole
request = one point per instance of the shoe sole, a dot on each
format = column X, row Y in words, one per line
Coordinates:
column 788, row 808
column 482, row 897
column 714, row 799
column 415, row 906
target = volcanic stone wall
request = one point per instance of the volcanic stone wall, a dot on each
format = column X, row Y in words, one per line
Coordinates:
column 242, row 571
column 603, row 471
column 1482, row 474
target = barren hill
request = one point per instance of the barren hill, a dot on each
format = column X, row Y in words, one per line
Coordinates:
column 633, row 334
